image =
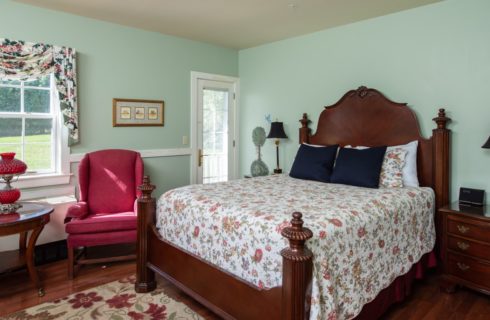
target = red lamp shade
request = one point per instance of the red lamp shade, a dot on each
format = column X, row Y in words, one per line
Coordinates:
column 11, row 166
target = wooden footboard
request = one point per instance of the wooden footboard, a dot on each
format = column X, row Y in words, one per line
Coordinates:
column 220, row 291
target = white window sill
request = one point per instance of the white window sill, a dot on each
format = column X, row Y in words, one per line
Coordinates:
column 66, row 191
column 44, row 186
column 41, row 180
column 55, row 201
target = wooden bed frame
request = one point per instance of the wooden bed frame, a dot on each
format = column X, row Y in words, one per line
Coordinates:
column 361, row 117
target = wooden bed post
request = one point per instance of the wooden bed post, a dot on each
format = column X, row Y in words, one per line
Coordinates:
column 145, row 278
column 304, row 131
column 440, row 149
column 296, row 271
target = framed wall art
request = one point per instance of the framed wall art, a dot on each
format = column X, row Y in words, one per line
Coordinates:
column 137, row 113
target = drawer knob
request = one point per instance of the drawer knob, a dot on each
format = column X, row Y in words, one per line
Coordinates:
column 463, row 266
column 463, row 229
column 463, row 245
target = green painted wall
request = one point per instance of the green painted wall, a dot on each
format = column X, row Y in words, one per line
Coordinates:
column 117, row 61
column 432, row 56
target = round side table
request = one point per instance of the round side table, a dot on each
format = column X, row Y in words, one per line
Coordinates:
column 32, row 216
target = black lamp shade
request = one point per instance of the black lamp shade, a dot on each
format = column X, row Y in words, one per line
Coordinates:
column 487, row 144
column 277, row 131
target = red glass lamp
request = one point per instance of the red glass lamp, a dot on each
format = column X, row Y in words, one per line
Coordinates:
column 9, row 168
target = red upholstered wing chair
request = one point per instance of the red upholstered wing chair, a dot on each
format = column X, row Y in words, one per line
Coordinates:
column 106, row 212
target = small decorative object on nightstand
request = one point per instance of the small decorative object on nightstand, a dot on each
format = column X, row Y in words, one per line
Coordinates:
column 471, row 197
column 10, row 168
column 277, row 132
column 466, row 247
column 258, row 167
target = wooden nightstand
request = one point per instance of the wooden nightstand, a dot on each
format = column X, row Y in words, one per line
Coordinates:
column 465, row 247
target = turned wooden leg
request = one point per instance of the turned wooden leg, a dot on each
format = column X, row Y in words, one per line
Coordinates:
column 30, row 260
column 71, row 262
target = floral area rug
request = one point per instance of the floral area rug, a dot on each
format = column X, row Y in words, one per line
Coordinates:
column 113, row 301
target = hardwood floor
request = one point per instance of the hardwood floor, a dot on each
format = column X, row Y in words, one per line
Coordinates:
column 426, row 301
column 429, row 303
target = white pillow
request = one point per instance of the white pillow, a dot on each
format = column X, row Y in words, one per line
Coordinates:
column 410, row 178
column 314, row 145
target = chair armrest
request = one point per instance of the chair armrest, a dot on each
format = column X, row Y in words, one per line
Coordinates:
column 78, row 211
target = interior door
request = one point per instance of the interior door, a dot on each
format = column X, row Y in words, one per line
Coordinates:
column 215, row 131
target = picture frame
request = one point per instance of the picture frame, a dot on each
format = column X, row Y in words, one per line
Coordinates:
column 137, row 112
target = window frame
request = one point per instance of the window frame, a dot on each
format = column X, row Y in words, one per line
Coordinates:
column 60, row 168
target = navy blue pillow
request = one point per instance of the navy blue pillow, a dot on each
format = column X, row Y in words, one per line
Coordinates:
column 314, row 163
column 359, row 167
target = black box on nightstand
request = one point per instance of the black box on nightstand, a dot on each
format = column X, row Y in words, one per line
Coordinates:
column 471, row 197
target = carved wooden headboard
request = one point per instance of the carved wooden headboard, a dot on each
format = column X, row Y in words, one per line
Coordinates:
column 366, row 117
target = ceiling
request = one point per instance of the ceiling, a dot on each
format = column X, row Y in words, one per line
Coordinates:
column 231, row 23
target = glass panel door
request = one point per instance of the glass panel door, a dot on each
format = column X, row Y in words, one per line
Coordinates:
column 215, row 131
column 215, row 135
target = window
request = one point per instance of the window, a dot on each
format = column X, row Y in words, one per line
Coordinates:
column 30, row 126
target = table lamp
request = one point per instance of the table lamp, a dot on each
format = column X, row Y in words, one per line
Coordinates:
column 487, row 144
column 9, row 168
column 277, row 132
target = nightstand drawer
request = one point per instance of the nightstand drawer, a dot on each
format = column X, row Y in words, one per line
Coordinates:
column 468, row 269
column 470, row 248
column 469, row 228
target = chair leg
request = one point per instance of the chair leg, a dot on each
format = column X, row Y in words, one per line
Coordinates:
column 71, row 263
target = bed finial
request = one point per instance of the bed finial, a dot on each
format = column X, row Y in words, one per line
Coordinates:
column 441, row 119
column 304, row 131
column 146, row 188
column 297, row 271
column 296, row 234
column 304, row 121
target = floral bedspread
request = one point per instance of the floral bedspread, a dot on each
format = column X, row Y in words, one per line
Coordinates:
column 363, row 238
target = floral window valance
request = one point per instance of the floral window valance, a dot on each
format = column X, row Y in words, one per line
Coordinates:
column 21, row 60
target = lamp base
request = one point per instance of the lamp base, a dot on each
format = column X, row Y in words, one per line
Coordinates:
column 277, row 170
column 7, row 208
column 9, row 195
